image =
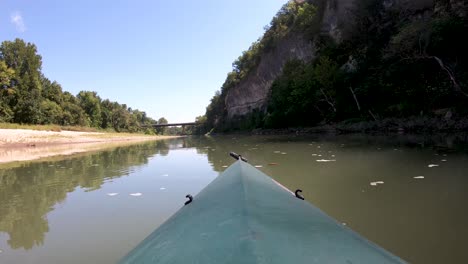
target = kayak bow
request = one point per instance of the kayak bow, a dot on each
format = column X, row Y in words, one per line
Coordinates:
column 244, row 216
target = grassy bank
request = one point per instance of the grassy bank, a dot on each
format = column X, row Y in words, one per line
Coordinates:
column 57, row 128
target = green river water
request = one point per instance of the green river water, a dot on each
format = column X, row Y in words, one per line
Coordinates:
column 94, row 208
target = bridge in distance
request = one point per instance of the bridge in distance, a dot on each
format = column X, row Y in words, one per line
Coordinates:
column 171, row 125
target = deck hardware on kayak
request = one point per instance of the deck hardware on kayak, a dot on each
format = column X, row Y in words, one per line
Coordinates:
column 237, row 156
column 190, row 197
column 298, row 195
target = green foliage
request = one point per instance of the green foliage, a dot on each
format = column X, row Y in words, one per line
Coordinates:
column 6, row 75
column 390, row 63
column 91, row 104
column 28, row 97
column 52, row 111
column 161, row 130
column 304, row 94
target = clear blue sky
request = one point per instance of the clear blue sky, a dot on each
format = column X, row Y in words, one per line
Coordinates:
column 164, row 57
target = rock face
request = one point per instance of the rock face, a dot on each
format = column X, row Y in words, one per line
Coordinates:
column 252, row 92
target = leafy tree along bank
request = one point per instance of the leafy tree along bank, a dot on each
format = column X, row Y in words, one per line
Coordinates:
column 28, row 97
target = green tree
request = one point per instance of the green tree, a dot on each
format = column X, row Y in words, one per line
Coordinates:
column 52, row 90
column 73, row 114
column 90, row 102
column 6, row 75
column 6, row 93
column 22, row 57
column 161, row 121
column 120, row 117
column 326, row 74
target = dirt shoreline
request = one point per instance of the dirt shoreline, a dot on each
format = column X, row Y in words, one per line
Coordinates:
column 25, row 145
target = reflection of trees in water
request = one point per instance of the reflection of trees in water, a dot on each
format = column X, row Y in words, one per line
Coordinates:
column 29, row 192
column 162, row 147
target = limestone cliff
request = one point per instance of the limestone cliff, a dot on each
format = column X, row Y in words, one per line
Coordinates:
column 252, row 92
column 335, row 18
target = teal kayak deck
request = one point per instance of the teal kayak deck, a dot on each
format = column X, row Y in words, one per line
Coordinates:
column 244, row 216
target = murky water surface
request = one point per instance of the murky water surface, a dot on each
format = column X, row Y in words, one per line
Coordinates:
column 407, row 194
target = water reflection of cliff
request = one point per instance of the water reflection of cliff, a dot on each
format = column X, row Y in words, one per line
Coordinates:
column 30, row 191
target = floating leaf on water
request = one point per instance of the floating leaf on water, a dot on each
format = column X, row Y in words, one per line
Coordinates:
column 433, row 165
column 136, row 194
column 324, row 160
column 112, row 194
column 162, row 188
column 258, row 166
column 444, row 160
column 284, row 153
column 419, row 177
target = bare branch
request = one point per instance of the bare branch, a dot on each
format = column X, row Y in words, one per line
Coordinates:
column 328, row 100
column 355, row 99
column 451, row 75
column 372, row 114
